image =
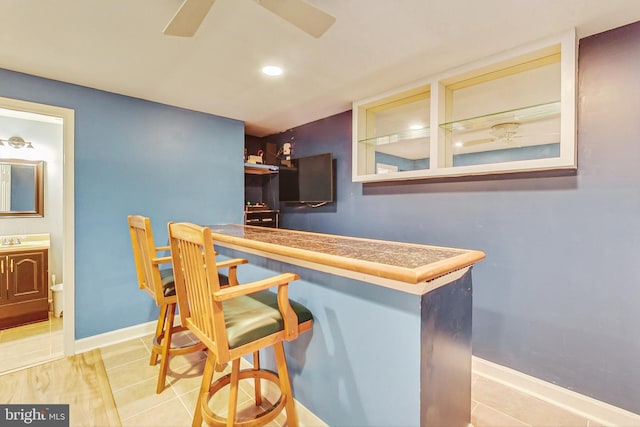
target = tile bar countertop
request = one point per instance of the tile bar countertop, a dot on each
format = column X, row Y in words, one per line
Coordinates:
column 406, row 263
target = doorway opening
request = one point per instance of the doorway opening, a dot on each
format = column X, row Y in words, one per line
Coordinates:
column 51, row 131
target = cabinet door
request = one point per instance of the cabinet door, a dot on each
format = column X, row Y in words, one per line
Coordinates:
column 3, row 279
column 26, row 275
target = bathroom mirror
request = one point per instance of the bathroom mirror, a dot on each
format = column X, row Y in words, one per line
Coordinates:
column 21, row 188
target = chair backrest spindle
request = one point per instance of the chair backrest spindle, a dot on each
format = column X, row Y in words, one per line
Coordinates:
column 144, row 252
column 196, row 282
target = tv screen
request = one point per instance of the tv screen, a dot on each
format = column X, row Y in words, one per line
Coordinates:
column 310, row 180
column 288, row 184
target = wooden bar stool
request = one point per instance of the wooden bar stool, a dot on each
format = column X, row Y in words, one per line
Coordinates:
column 233, row 322
column 160, row 285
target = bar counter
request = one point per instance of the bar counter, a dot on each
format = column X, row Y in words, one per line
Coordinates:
column 394, row 354
column 408, row 267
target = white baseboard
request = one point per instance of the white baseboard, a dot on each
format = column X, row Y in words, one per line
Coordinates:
column 115, row 337
column 592, row 409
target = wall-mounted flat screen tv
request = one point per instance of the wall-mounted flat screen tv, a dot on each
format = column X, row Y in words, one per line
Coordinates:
column 309, row 180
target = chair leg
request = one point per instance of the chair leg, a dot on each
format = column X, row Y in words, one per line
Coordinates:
column 285, row 384
column 258, row 384
column 207, row 376
column 166, row 346
column 233, row 392
column 160, row 325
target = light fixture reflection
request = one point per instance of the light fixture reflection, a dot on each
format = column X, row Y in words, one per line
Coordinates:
column 16, row 142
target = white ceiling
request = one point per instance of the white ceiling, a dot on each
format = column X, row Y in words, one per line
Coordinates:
column 374, row 46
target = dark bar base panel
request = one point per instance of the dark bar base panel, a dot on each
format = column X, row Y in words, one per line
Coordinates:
column 445, row 362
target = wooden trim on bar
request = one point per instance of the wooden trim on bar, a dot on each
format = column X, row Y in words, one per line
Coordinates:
column 417, row 275
column 418, row 281
column 415, row 289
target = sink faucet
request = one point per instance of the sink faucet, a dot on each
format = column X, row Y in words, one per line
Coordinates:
column 8, row 241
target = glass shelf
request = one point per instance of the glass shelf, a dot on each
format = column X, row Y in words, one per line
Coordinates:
column 396, row 137
column 518, row 115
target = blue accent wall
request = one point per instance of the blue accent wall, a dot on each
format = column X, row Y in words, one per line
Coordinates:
column 509, row 155
column 402, row 163
column 479, row 158
column 135, row 157
column 557, row 295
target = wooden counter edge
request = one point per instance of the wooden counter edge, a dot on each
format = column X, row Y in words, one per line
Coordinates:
column 406, row 275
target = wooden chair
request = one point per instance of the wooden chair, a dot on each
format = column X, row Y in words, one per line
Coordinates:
column 159, row 283
column 233, row 322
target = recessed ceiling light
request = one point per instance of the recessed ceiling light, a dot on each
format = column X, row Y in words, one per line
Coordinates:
column 272, row 70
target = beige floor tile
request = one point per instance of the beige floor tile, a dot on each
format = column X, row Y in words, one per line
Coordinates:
column 27, row 346
column 139, row 397
column 246, row 406
column 170, row 413
column 147, row 340
column 124, row 353
column 185, row 378
column 14, row 362
column 186, row 360
column 218, row 404
column 57, row 346
column 20, row 332
column 189, row 400
column 132, row 373
column 183, row 338
column 31, row 344
column 56, row 323
column 523, row 407
column 192, row 379
column 270, row 391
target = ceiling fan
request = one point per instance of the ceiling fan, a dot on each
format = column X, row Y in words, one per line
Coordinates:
column 303, row 15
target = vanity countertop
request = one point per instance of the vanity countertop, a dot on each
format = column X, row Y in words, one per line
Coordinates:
column 19, row 242
column 405, row 262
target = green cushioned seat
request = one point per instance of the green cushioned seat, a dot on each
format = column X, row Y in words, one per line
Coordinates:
column 169, row 288
column 255, row 316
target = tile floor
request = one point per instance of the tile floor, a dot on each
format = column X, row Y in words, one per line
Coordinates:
column 31, row 344
column 495, row 404
column 133, row 384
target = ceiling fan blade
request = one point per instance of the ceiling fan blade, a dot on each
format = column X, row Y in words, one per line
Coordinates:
column 303, row 15
column 188, row 18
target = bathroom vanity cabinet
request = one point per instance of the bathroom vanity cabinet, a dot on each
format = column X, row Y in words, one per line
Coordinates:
column 23, row 286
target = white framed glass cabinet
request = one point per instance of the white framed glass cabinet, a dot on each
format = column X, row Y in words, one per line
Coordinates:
column 513, row 112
